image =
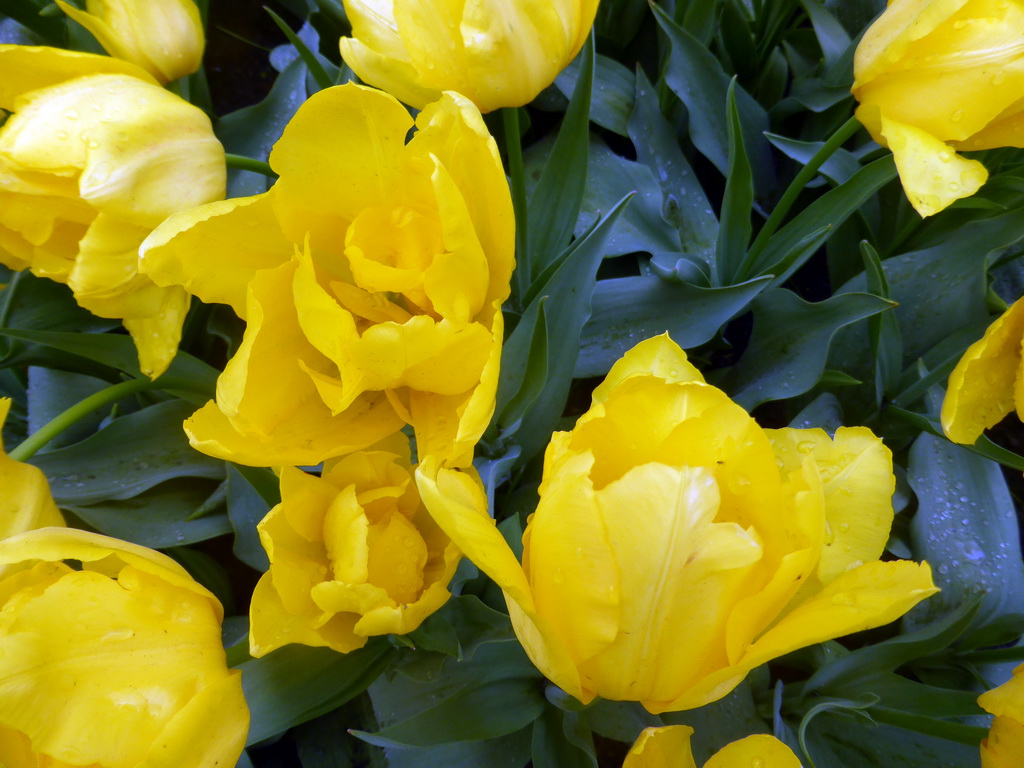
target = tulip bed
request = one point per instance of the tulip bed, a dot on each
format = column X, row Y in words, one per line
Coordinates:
column 566, row 384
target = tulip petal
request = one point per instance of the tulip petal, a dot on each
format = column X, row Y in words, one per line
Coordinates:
column 320, row 193
column 857, row 480
column 657, row 356
column 666, row 747
column 156, row 338
column 389, row 73
column 215, row 250
column 981, row 387
column 758, row 750
column 25, row 68
column 933, row 175
column 1004, row 744
column 1008, row 699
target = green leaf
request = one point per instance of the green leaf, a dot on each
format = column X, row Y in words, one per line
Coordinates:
column 314, row 62
column 132, row 454
column 737, row 203
column 883, row 329
column 966, row 528
column 555, row 203
column 524, row 367
column 552, row 747
column 789, row 345
column 611, row 100
column 720, row 722
column 627, row 310
column 474, row 714
column 156, row 518
column 246, row 507
column 832, row 38
column 51, row 392
column 685, row 206
column 838, row 168
column 297, row 683
column 697, row 78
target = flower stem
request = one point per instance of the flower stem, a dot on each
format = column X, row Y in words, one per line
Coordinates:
column 80, row 410
column 802, row 179
column 514, row 150
column 243, row 163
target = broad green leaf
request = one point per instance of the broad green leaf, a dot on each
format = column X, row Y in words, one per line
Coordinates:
column 52, row 28
column 832, row 38
column 697, row 78
column 555, row 203
column 511, row 751
column 883, row 329
column 737, row 203
column 51, row 392
column 715, row 725
column 297, row 683
column 315, row 63
column 966, row 528
column 789, row 345
column 246, row 507
column 552, row 747
column 156, row 518
column 611, row 100
column 839, row 167
column 132, row 454
column 685, row 206
column 627, row 310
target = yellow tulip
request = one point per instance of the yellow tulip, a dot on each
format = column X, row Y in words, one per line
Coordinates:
column 353, row 554
column 25, row 503
column 164, row 37
column 988, row 382
column 96, row 155
column 669, row 747
column 371, row 278
column 114, row 661
column 1005, row 743
column 677, row 545
column 498, row 53
column 936, row 76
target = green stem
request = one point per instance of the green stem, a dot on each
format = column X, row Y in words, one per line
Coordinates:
column 243, row 163
column 514, row 150
column 94, row 402
column 995, row 655
column 803, row 178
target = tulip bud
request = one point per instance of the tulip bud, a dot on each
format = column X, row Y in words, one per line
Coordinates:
column 677, row 545
column 669, row 747
column 498, row 53
column 164, row 37
column 112, row 661
column 933, row 78
column 353, row 554
column 982, row 388
column 1005, row 743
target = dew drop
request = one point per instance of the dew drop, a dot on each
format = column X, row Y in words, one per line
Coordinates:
column 558, row 576
column 998, row 77
column 957, row 116
column 805, row 446
column 842, row 599
column 945, row 155
column 954, row 186
column 844, row 527
column 959, row 24
column 71, row 114
column 62, row 135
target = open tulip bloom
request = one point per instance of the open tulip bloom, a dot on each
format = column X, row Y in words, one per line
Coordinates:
column 677, row 545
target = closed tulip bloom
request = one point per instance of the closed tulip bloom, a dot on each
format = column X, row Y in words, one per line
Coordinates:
column 677, row 545
column 937, row 76
column 353, row 554
column 164, row 37
column 25, row 502
column 112, row 661
column 1005, row 743
column 669, row 747
column 496, row 53
column 988, row 382
column 93, row 158
column 370, row 277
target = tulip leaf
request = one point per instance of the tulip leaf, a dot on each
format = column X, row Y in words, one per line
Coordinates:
column 627, row 310
column 132, row 454
column 315, row 63
column 556, row 741
column 966, row 528
column 29, row 13
column 52, row 391
column 246, row 507
column 832, row 38
column 883, row 329
column 555, row 203
column 157, row 518
column 720, row 722
column 511, row 751
column 685, row 206
column 611, row 100
column 297, row 683
column 698, row 79
column 790, row 342
column 524, row 368
column 569, row 287
column 838, row 168
column 737, row 203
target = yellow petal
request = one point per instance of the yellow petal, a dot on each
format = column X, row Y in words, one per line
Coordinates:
column 1004, row 745
column 156, row 338
column 319, row 193
column 390, row 74
column 857, row 479
column 758, row 750
column 1008, row 699
column 981, row 387
column 932, row 174
column 164, row 37
column 25, row 68
column 215, row 250
column 666, row 747
column 657, row 356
